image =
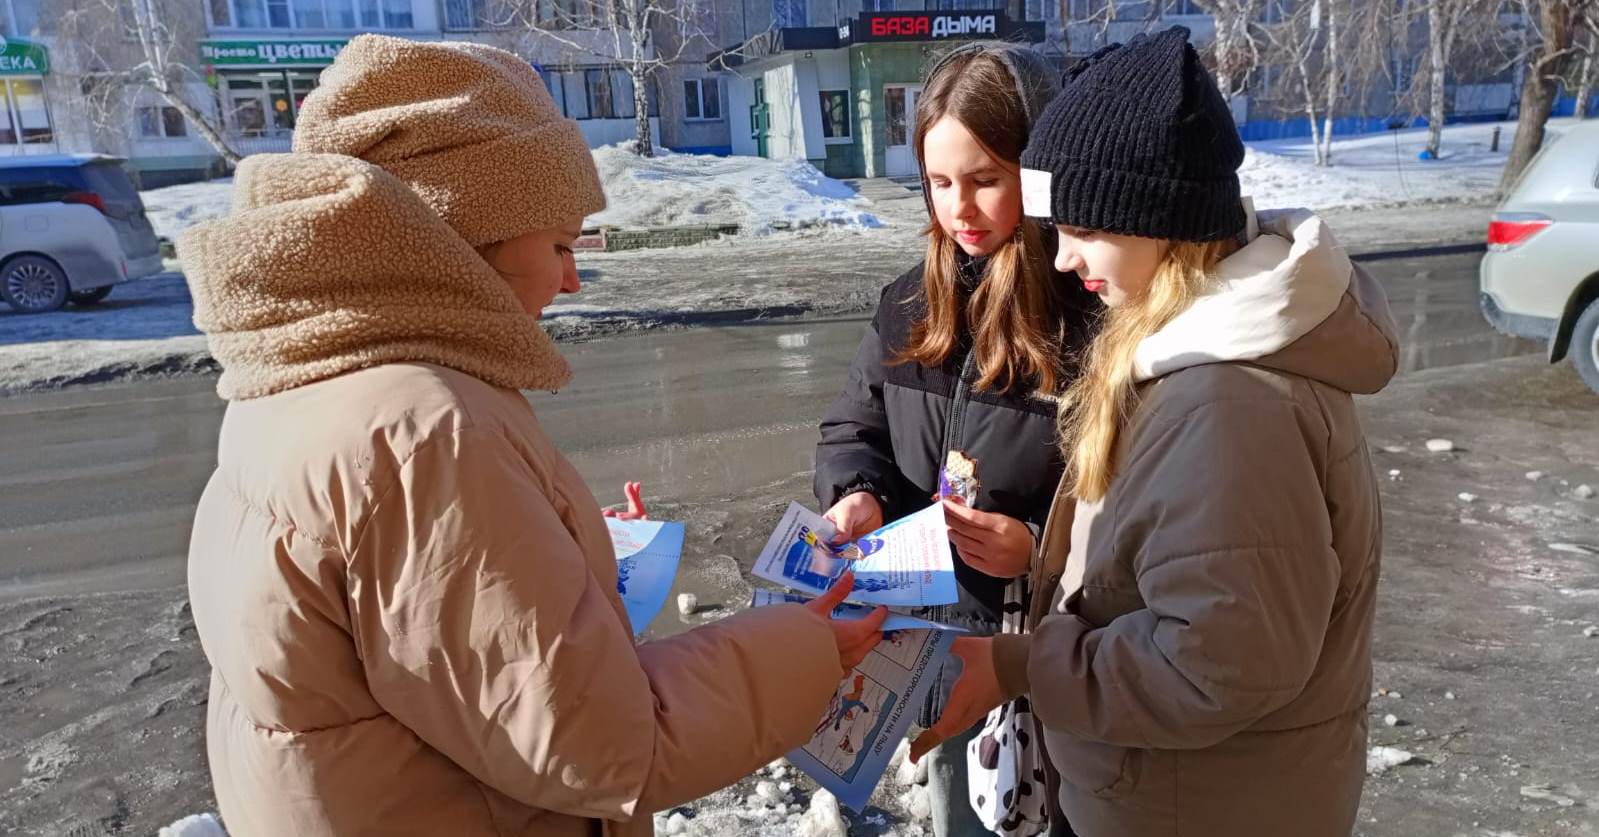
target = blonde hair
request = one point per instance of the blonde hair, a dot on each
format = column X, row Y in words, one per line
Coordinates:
column 1096, row 407
column 1015, row 336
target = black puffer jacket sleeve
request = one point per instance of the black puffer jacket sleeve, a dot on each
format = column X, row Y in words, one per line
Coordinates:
column 856, row 452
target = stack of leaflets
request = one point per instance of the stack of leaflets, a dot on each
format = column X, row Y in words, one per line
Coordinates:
column 906, row 564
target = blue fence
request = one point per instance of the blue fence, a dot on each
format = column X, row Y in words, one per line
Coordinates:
column 1274, row 129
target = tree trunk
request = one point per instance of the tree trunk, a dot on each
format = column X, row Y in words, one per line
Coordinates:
column 1310, row 108
column 1224, row 55
column 1585, row 80
column 1324, row 157
column 1436, row 64
column 644, row 143
column 1538, row 88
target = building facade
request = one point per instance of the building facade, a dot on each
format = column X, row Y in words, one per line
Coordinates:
column 833, row 83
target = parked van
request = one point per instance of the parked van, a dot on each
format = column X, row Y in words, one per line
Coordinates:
column 71, row 228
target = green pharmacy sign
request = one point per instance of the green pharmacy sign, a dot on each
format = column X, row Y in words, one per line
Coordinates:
column 270, row 53
column 23, row 58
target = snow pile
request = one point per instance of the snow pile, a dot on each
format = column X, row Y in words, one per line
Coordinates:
column 671, row 190
column 1380, row 760
column 175, row 208
column 1381, row 168
column 195, row 825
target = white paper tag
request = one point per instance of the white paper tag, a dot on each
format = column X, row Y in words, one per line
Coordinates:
column 1036, row 193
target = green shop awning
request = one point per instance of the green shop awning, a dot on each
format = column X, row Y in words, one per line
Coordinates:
column 20, row 57
column 265, row 53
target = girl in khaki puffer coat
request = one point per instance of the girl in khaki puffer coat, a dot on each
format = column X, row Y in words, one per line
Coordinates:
column 407, row 595
column 1215, row 547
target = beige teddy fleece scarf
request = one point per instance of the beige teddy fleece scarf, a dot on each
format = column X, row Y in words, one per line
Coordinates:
column 328, row 264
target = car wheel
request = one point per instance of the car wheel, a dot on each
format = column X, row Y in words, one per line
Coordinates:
column 1585, row 345
column 90, row 297
column 33, row 285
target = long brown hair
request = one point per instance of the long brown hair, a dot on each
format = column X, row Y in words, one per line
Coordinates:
column 1015, row 335
column 1097, row 406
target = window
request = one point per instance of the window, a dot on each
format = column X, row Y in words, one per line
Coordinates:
column 470, row 14
column 574, row 88
column 1043, row 9
column 835, row 116
column 602, row 103
column 702, row 99
column 788, row 14
column 32, row 117
column 1183, row 8
column 34, row 185
column 308, row 14
column 319, row 14
column 251, row 14
column 23, row 17
column 157, row 122
column 877, row 5
column 396, row 14
column 1084, row 9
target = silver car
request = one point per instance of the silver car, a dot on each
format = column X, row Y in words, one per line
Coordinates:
column 71, row 227
column 1540, row 278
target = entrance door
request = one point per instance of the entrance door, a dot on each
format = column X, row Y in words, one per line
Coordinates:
column 899, row 107
column 247, row 110
column 760, row 120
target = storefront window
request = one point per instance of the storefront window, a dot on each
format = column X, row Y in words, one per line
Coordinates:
column 835, row 114
column 33, row 118
column 894, row 109
column 301, row 85
column 265, row 104
column 8, row 128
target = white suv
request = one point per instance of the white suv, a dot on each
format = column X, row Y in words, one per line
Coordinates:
column 1540, row 278
column 71, row 227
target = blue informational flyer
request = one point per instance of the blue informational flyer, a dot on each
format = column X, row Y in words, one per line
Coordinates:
column 907, row 563
column 647, row 553
column 871, row 712
column 894, row 622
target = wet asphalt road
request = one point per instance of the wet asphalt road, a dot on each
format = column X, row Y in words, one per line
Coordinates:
column 98, row 485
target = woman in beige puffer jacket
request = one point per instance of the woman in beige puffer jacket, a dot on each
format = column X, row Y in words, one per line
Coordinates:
column 407, row 595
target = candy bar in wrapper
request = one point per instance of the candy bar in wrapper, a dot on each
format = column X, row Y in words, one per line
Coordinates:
column 959, row 477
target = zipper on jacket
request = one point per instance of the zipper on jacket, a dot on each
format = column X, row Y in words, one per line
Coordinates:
column 957, row 410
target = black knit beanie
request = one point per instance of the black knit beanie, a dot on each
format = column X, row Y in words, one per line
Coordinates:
column 1139, row 142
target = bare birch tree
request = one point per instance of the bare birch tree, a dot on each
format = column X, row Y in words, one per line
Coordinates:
column 122, row 44
column 1447, row 21
column 643, row 37
column 1299, row 42
column 1587, row 70
column 1551, row 30
column 1235, row 52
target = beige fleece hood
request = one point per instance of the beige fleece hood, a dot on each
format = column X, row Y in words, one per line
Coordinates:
column 328, row 264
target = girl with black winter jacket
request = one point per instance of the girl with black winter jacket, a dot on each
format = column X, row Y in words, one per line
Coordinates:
column 966, row 353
